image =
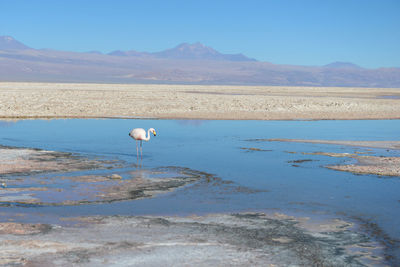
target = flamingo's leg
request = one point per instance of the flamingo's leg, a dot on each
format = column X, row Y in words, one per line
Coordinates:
column 141, row 150
column 137, row 150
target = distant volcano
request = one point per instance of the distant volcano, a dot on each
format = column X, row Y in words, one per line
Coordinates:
column 199, row 51
column 9, row 43
column 186, row 51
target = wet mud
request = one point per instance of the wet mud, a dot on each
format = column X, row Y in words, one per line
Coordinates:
column 40, row 177
column 14, row 160
column 244, row 239
column 11, row 228
column 391, row 245
column 48, row 178
column 298, row 162
column 86, row 189
column 252, row 149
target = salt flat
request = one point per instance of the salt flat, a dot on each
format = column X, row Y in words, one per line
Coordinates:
column 78, row 100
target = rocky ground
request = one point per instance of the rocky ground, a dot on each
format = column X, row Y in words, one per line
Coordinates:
column 247, row 239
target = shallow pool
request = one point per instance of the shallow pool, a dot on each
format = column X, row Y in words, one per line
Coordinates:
column 226, row 150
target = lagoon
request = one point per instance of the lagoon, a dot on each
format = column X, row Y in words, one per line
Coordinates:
column 267, row 176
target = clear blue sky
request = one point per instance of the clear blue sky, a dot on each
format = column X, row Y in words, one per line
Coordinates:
column 301, row 32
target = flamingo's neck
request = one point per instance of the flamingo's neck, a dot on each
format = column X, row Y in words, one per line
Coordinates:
column 148, row 136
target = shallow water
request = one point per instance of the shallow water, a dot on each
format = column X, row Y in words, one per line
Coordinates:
column 270, row 180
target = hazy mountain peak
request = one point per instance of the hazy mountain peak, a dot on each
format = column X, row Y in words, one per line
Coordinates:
column 94, row 52
column 130, row 53
column 117, row 53
column 9, row 43
column 200, row 51
column 188, row 51
column 7, row 38
column 195, row 46
column 185, row 51
column 341, row 65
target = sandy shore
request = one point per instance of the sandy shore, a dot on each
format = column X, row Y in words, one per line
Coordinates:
column 69, row 100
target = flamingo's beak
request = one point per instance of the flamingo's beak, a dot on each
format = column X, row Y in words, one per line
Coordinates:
column 154, row 133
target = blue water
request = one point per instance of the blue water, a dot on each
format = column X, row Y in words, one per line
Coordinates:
column 215, row 147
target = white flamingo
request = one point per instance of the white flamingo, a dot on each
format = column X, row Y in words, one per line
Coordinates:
column 139, row 134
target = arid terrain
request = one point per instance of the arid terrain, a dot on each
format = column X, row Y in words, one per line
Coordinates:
column 72, row 100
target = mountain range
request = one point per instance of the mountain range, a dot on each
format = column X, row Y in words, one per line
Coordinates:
column 185, row 63
column 196, row 51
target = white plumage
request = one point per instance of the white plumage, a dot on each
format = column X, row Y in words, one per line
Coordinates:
column 139, row 134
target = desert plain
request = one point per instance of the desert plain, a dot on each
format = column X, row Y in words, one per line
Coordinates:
column 86, row 100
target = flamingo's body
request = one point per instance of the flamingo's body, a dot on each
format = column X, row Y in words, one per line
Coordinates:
column 139, row 134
